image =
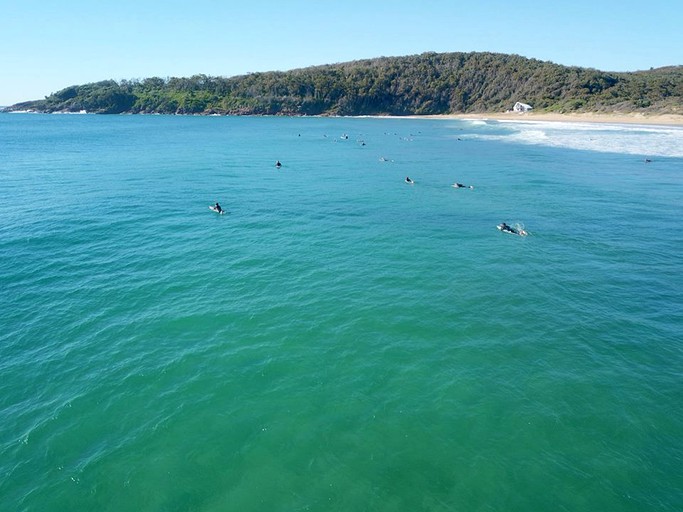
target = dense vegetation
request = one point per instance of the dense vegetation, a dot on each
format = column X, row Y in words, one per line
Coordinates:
column 430, row 83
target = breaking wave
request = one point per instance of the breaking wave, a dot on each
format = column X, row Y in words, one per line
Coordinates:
column 662, row 141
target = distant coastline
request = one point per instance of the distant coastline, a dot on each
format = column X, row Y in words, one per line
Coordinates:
column 426, row 84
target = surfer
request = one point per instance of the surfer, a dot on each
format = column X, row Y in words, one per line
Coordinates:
column 218, row 208
column 409, row 181
column 278, row 164
column 460, row 185
column 504, row 227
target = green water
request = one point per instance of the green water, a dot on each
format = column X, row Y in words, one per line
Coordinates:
column 339, row 340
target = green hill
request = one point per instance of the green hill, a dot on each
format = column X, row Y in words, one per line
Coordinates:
column 430, row 83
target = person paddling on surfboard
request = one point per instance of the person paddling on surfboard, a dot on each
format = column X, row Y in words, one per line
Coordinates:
column 460, row 185
column 505, row 227
column 510, row 229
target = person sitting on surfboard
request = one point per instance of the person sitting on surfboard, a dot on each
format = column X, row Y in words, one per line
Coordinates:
column 218, row 208
column 408, row 180
column 278, row 164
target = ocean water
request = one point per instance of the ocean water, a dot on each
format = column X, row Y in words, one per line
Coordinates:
column 339, row 340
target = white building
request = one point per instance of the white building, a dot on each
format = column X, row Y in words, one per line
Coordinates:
column 521, row 107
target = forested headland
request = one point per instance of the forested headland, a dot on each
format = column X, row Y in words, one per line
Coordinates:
column 425, row 84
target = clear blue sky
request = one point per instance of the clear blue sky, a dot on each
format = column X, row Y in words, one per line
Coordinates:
column 46, row 45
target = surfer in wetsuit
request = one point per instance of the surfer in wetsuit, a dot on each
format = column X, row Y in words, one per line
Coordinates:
column 408, row 180
column 460, row 185
column 517, row 231
column 278, row 164
column 505, row 227
column 218, row 208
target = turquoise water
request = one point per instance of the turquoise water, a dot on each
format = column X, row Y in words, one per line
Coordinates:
column 339, row 340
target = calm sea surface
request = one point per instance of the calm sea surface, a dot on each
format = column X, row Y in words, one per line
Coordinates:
column 339, row 340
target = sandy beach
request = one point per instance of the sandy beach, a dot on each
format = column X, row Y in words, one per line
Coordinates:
column 635, row 118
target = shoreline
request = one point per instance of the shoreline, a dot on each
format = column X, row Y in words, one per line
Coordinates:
column 589, row 117
column 633, row 118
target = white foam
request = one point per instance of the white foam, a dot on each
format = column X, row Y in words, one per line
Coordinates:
column 607, row 138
